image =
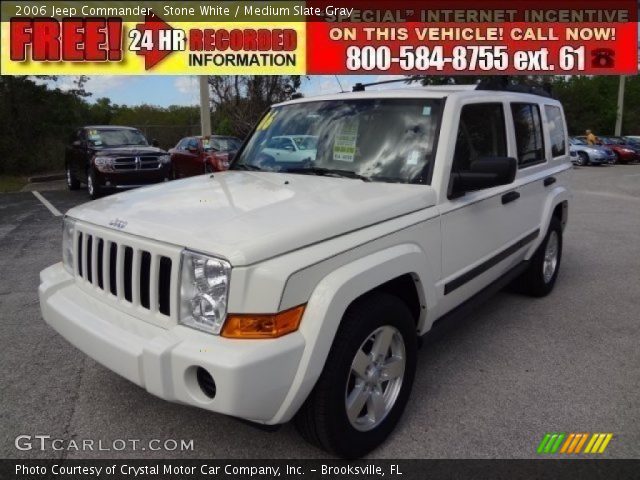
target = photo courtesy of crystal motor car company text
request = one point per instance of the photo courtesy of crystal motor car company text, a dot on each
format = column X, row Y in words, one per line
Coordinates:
column 393, row 231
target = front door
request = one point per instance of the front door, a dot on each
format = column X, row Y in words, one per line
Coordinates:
column 484, row 232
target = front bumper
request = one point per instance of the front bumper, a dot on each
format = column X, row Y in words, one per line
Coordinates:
column 252, row 377
column 132, row 178
column 603, row 159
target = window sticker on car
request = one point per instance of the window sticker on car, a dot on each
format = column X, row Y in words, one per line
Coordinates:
column 344, row 146
column 267, row 120
column 413, row 157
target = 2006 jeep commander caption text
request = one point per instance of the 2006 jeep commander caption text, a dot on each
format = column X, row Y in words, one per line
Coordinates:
column 298, row 285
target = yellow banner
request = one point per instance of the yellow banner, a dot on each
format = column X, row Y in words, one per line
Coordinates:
column 201, row 54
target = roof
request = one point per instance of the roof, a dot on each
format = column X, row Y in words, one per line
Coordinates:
column 435, row 91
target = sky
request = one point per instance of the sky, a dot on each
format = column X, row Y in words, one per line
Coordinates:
column 165, row 90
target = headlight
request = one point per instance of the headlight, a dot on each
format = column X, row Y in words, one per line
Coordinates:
column 204, row 288
column 104, row 162
column 164, row 159
column 68, row 229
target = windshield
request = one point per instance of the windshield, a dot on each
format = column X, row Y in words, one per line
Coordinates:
column 577, row 141
column 115, row 138
column 220, row 144
column 382, row 140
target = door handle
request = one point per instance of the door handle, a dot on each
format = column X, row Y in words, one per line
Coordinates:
column 549, row 181
column 510, row 197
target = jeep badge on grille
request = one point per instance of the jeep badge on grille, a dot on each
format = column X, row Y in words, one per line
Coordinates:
column 119, row 224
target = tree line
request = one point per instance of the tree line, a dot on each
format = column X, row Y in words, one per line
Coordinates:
column 36, row 120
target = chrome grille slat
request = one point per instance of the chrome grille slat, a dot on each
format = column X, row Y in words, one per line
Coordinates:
column 84, row 255
column 120, row 271
column 136, row 275
column 153, row 289
column 105, row 266
column 94, row 260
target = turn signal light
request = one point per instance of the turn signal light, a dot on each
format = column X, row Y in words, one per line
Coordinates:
column 254, row 326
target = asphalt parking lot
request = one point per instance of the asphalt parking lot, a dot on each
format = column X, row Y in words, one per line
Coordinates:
column 492, row 386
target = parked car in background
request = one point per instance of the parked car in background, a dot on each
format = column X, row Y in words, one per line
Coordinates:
column 290, row 149
column 199, row 155
column 109, row 157
column 625, row 152
column 586, row 154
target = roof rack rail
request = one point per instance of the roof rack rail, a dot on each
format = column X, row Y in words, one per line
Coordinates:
column 502, row 83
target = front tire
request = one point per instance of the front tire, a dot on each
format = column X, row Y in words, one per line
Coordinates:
column 583, row 159
column 93, row 188
column 365, row 385
column 540, row 277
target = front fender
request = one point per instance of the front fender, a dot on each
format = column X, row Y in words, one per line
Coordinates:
column 329, row 301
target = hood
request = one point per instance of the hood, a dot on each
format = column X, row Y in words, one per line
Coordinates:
column 247, row 217
column 130, row 150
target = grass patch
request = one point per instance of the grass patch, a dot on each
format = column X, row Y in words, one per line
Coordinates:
column 12, row 183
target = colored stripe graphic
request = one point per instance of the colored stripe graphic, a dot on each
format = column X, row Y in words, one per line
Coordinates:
column 572, row 443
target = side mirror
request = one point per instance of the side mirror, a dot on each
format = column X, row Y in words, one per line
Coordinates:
column 155, row 143
column 485, row 172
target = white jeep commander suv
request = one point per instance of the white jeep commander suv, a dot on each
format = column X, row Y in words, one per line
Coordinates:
column 299, row 287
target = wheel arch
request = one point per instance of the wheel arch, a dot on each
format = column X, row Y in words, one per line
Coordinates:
column 556, row 206
column 390, row 270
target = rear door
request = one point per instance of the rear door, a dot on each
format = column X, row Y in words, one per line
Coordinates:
column 176, row 158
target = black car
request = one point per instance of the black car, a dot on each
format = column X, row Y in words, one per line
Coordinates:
column 111, row 157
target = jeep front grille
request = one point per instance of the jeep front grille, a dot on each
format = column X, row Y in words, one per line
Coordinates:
column 139, row 276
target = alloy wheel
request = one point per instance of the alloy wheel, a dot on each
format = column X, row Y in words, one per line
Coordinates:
column 550, row 262
column 375, row 378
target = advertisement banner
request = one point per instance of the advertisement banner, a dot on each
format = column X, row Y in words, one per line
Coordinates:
column 319, row 37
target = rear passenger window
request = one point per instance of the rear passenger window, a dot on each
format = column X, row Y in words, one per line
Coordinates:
column 556, row 130
column 481, row 133
column 528, row 128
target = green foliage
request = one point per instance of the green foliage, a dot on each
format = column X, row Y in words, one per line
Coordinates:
column 12, row 183
column 36, row 121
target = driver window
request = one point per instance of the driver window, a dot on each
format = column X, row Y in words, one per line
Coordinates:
column 192, row 144
column 481, row 133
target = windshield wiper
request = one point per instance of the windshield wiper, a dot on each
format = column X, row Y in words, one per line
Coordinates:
column 327, row 172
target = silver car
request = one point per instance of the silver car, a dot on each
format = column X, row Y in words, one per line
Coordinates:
column 586, row 154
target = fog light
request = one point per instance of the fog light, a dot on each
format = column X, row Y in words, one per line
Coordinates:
column 206, row 383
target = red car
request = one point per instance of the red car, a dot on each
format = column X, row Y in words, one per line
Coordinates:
column 625, row 153
column 199, row 155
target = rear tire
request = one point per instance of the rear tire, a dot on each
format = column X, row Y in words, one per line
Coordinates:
column 365, row 385
column 72, row 181
column 540, row 277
